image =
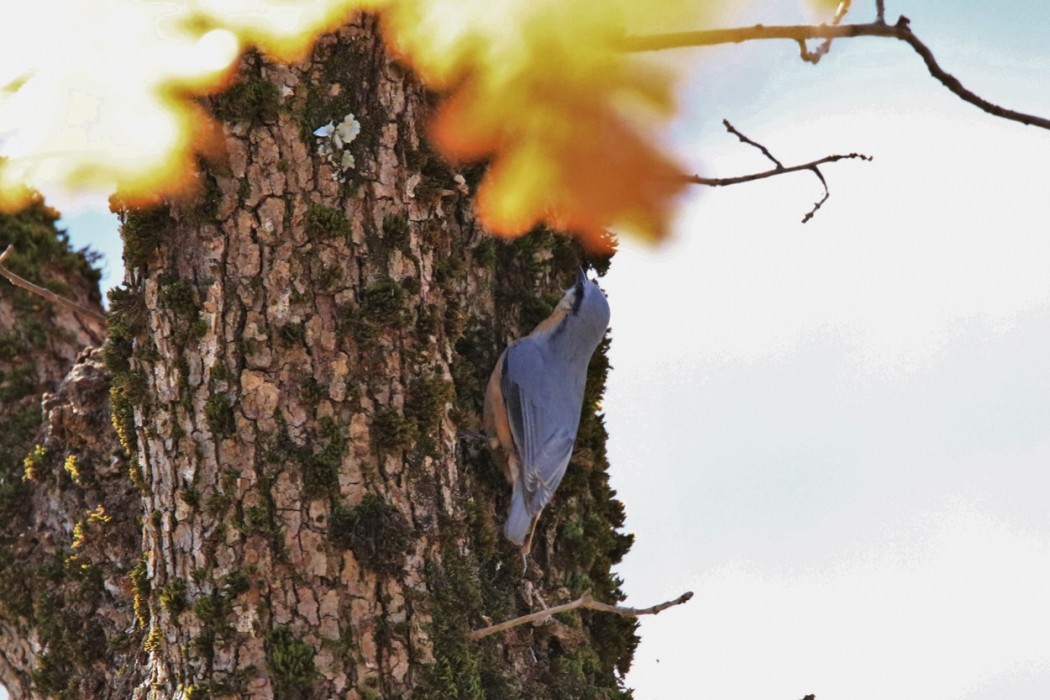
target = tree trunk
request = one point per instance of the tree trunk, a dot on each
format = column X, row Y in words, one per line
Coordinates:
column 291, row 359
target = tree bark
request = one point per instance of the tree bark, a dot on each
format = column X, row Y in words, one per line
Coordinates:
column 290, row 361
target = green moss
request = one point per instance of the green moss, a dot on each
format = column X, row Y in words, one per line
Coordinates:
column 190, row 496
column 376, row 533
column 18, row 432
column 258, row 518
column 311, row 391
column 218, row 411
column 249, row 100
column 427, row 397
column 290, row 662
column 457, row 671
column 449, row 269
column 395, row 231
column 72, row 640
column 213, row 610
column 380, row 305
column 455, row 321
column 17, row 383
column 177, row 295
column 128, row 388
column 485, row 252
column 391, row 431
column 127, row 310
column 172, row 596
column 435, row 173
column 384, row 303
column 218, row 503
column 292, row 333
column 321, row 467
column 328, row 277
column 53, row 674
column 117, row 351
column 198, row 328
column 235, row 583
column 143, row 230
column 578, row 673
column 15, row 344
column 536, row 309
column 327, row 222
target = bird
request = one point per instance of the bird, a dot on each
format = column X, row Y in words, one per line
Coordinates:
column 533, row 401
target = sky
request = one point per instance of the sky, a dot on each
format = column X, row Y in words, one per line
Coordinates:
column 836, row 434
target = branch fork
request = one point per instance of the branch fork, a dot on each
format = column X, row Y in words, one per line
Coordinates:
column 780, row 169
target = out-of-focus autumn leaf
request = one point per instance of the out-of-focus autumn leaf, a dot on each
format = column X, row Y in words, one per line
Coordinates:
column 99, row 96
column 542, row 89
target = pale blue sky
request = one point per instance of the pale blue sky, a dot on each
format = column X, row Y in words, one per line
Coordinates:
column 838, row 434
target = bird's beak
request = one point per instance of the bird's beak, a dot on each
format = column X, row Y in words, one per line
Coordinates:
column 581, row 276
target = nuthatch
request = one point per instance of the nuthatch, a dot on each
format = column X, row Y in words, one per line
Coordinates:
column 534, row 398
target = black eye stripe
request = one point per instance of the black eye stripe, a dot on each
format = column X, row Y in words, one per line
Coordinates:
column 579, row 297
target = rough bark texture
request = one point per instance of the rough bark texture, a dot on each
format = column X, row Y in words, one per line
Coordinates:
column 290, row 361
column 69, row 534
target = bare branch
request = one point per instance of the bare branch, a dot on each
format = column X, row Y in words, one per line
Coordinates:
column 800, row 33
column 45, row 293
column 753, row 177
column 765, row 151
column 584, row 601
column 880, row 11
column 813, row 166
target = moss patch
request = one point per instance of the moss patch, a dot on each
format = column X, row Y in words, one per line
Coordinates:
column 248, row 100
column 290, row 662
column 376, row 533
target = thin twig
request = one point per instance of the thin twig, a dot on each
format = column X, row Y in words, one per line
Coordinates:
column 880, row 11
column 752, row 177
column 901, row 31
column 584, row 601
column 820, row 202
column 765, row 151
column 813, row 166
column 45, row 293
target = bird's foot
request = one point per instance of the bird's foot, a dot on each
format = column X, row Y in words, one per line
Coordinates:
column 472, row 436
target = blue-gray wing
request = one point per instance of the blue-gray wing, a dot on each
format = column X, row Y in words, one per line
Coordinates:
column 543, row 408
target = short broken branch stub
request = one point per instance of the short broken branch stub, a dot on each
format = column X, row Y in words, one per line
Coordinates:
column 584, row 601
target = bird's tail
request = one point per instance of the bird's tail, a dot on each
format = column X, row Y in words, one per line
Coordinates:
column 519, row 520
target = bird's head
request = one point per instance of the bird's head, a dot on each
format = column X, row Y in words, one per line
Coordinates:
column 587, row 306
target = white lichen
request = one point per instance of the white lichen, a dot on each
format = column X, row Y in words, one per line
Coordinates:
column 333, row 142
